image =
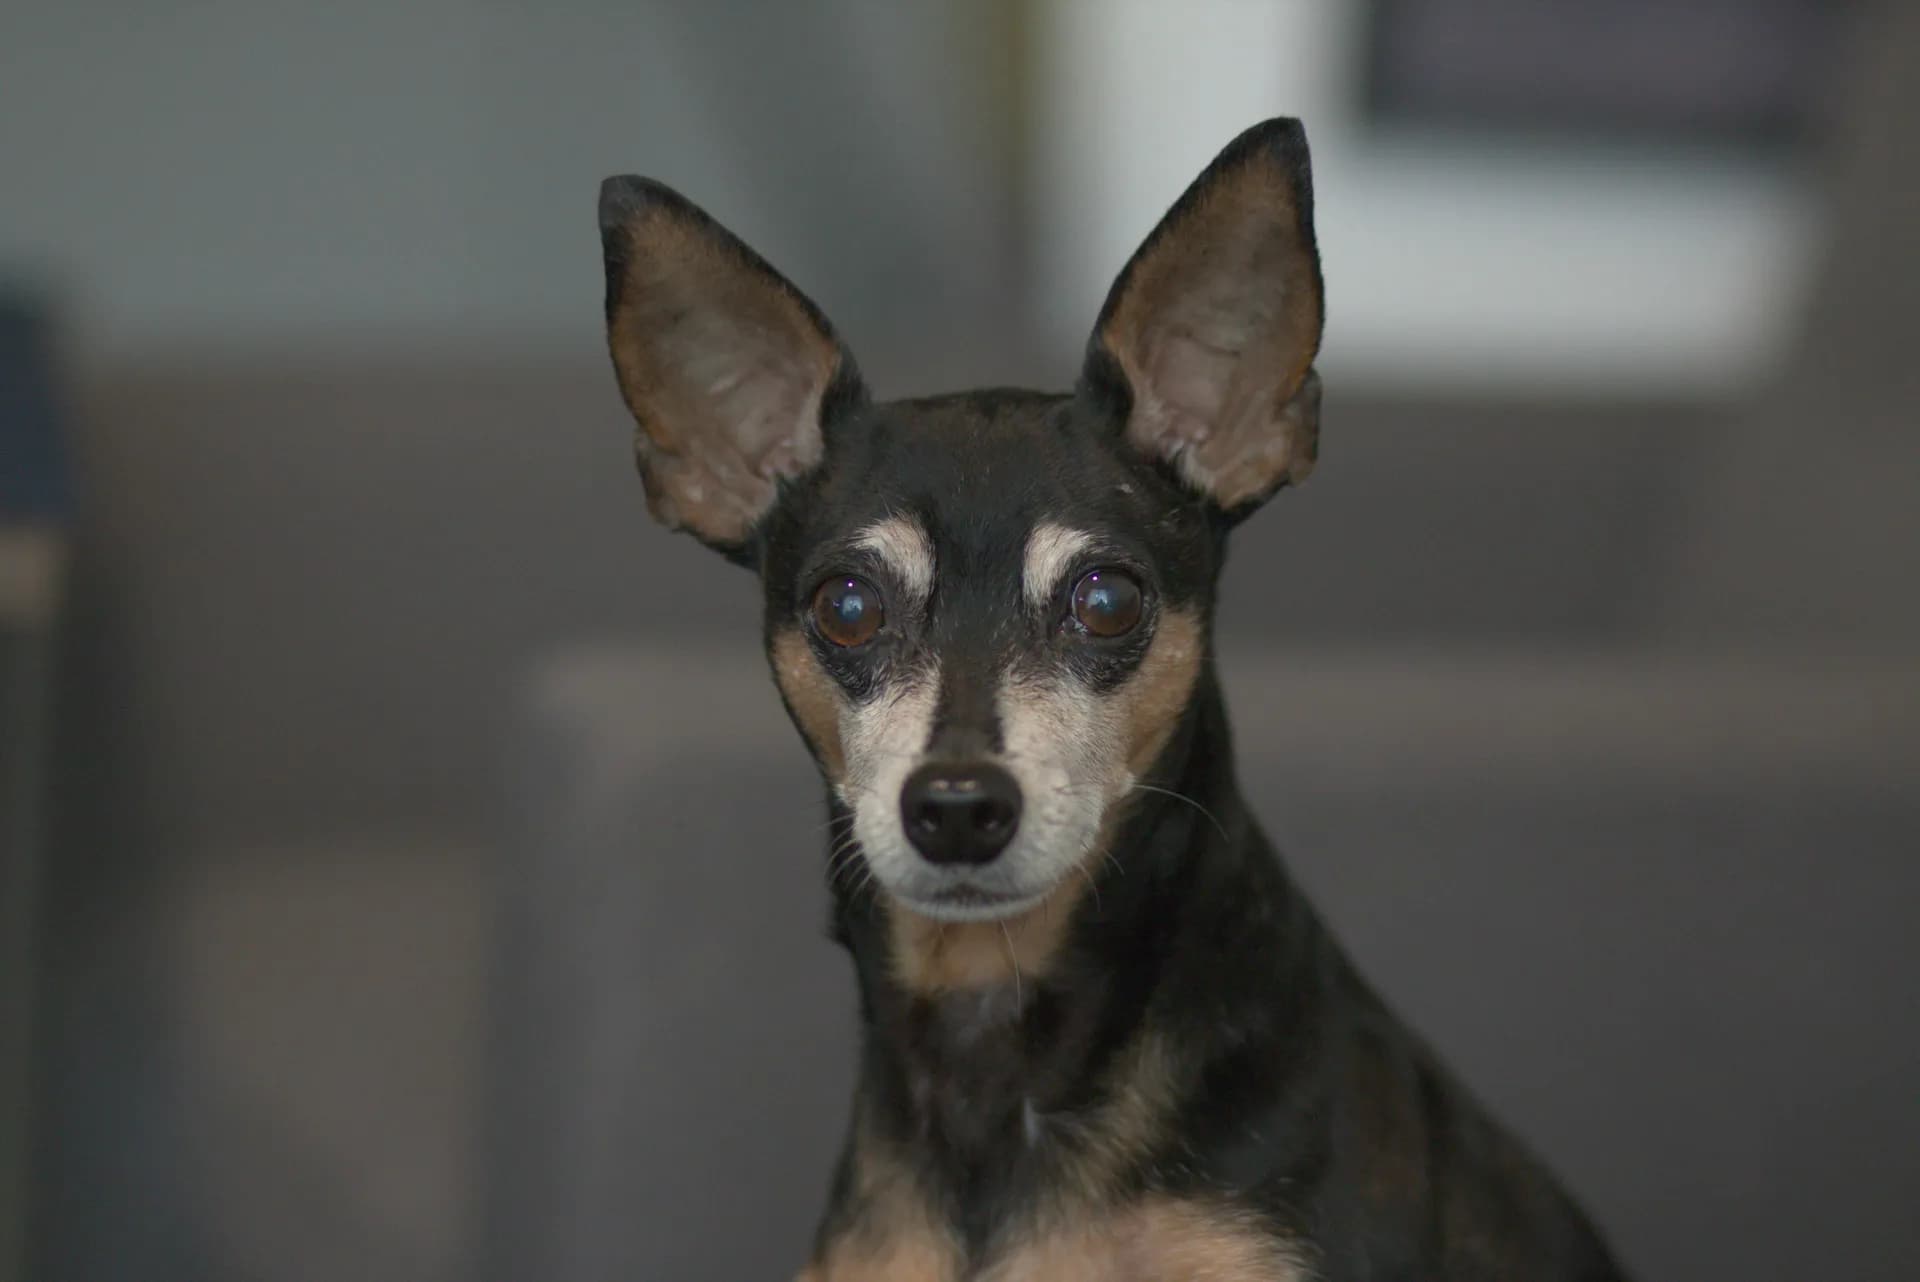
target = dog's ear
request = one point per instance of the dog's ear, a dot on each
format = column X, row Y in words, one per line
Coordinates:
column 726, row 366
column 1211, row 330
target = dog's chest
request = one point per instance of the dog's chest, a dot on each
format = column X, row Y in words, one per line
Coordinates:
column 1153, row 1240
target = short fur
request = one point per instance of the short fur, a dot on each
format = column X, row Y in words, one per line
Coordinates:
column 1125, row 1048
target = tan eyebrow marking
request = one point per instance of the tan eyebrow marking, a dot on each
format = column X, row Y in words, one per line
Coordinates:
column 903, row 545
column 1051, row 551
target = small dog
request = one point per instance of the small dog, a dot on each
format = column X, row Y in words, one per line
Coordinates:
column 1104, row 1036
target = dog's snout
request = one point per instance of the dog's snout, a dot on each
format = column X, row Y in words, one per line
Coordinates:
column 960, row 814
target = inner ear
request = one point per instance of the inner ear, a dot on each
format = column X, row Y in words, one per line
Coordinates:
column 725, row 365
column 1215, row 322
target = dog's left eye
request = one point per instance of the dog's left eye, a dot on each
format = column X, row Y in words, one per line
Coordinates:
column 847, row 611
column 1107, row 603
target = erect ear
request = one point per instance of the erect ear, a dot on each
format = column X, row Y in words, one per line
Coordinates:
column 726, row 366
column 1214, row 323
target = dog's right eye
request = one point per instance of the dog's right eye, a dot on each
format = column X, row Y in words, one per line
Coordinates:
column 847, row 611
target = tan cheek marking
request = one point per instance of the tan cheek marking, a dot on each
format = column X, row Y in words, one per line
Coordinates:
column 1160, row 1240
column 1158, row 693
column 812, row 697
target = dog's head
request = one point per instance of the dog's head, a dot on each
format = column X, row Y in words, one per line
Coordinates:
column 986, row 612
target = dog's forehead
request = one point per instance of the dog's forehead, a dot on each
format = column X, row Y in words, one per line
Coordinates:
column 980, row 471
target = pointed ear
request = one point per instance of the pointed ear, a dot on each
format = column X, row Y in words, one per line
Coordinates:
column 726, row 366
column 1212, row 328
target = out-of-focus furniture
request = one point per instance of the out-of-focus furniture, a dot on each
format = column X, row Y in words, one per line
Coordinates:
column 1655, row 909
column 32, row 552
column 1804, row 526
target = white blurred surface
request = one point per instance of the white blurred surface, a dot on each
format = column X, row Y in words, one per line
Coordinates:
column 1451, row 262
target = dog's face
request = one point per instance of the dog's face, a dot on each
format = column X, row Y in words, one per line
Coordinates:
column 986, row 618
column 986, row 612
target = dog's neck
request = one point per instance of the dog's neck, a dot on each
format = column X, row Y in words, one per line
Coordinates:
column 1192, row 919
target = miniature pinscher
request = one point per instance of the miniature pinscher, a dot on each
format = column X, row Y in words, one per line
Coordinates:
column 1104, row 1036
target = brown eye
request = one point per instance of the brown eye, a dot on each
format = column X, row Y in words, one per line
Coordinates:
column 847, row 611
column 1107, row 603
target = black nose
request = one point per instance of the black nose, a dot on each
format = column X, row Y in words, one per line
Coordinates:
column 960, row 814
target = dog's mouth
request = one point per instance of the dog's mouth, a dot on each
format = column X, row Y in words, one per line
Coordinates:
column 969, row 902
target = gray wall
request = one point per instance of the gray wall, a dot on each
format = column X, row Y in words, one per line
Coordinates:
column 275, row 176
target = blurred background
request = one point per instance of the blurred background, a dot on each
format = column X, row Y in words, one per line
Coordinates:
column 408, row 873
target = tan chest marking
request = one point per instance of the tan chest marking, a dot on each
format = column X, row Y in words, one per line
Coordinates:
column 894, row 1237
column 900, row 1259
column 1159, row 1240
column 891, row 1230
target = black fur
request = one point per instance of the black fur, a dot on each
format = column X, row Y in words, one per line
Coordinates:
column 1294, row 1094
column 1298, row 1087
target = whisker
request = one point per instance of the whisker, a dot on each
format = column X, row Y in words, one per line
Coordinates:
column 854, row 878
column 842, row 859
column 1181, row 796
column 1093, row 886
column 1013, row 957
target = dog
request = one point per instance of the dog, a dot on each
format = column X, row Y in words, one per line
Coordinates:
column 1104, row 1037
